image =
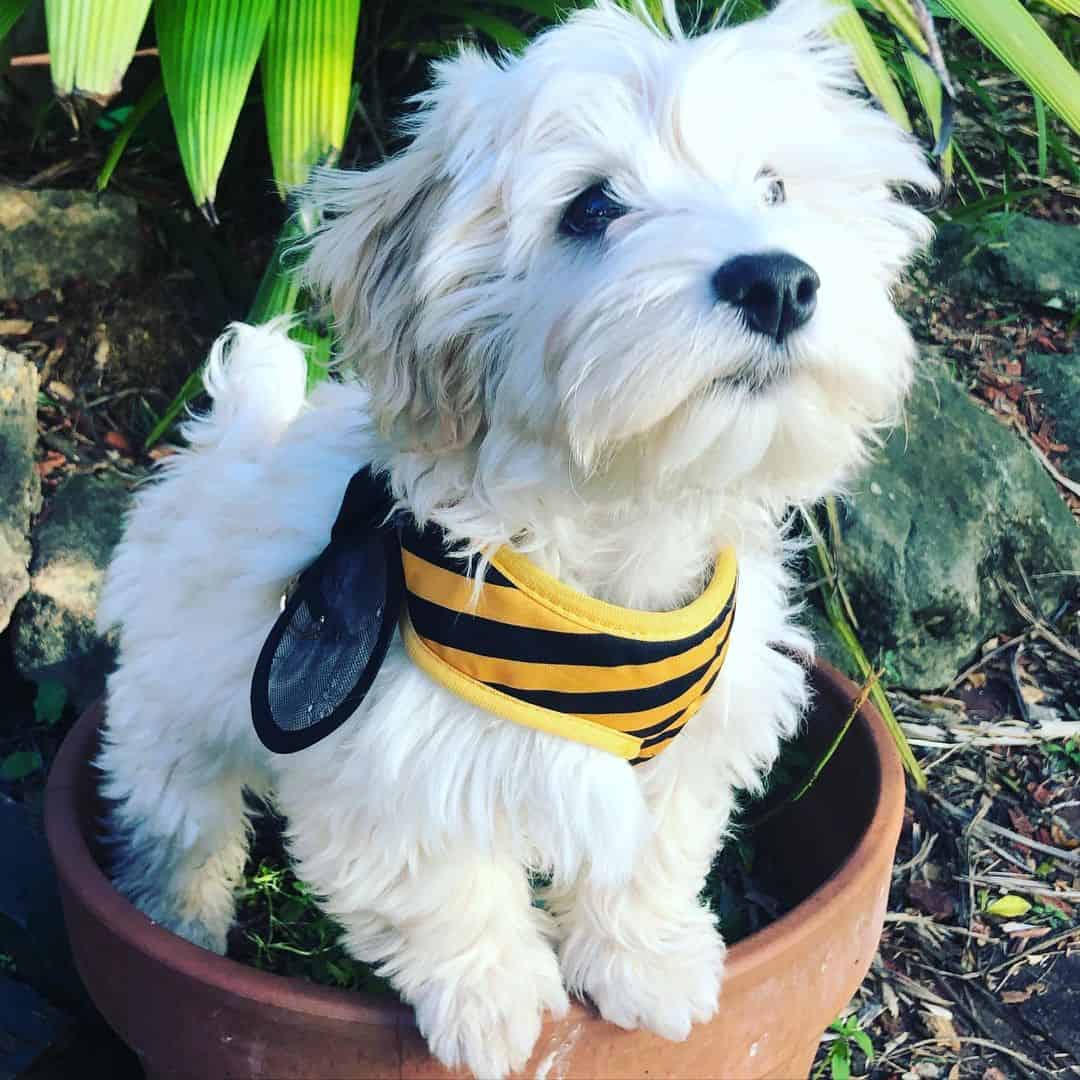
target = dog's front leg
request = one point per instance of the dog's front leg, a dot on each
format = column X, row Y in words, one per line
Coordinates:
column 646, row 950
column 456, row 932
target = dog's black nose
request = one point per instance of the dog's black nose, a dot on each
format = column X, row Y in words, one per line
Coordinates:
column 775, row 292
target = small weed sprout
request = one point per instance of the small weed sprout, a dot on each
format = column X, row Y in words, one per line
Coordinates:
column 838, row 1059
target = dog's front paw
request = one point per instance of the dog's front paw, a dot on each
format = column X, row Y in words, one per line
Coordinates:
column 664, row 989
column 490, row 1025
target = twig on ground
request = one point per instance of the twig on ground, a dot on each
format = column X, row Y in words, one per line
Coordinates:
column 1016, row 883
column 930, row 922
column 972, row 1040
column 979, row 826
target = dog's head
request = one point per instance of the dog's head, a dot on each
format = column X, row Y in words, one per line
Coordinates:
column 644, row 254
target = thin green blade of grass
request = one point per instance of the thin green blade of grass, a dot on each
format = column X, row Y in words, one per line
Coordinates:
column 928, row 88
column 10, row 10
column 1007, row 200
column 973, row 176
column 825, row 569
column 150, row 98
column 1040, row 125
column 832, row 516
column 209, row 49
column 1063, row 156
column 850, row 28
column 91, row 44
column 901, row 15
column 1066, row 7
column 306, row 77
column 1011, row 32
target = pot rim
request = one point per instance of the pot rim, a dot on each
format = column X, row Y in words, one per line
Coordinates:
column 81, row 875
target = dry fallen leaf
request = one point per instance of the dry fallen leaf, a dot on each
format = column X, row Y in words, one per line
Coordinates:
column 1021, row 822
column 61, row 391
column 1025, row 931
column 931, row 899
column 939, row 1023
column 1042, row 794
column 102, row 348
column 118, row 441
column 15, row 327
column 50, row 463
column 1015, row 997
column 1058, row 905
column 892, row 1002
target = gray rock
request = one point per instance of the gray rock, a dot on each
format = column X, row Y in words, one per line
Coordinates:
column 49, row 236
column 20, row 490
column 954, row 510
column 1058, row 377
column 54, row 638
column 1011, row 257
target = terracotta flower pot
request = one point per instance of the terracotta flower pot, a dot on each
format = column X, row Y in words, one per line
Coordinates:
column 189, row 1013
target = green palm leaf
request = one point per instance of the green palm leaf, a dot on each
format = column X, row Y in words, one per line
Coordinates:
column 1010, row 32
column 1066, row 7
column 91, row 44
column 209, row 49
column 306, row 74
column 928, row 87
column 849, row 27
column 903, row 18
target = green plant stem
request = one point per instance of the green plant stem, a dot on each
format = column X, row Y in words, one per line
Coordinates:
column 819, row 766
column 153, row 94
column 834, row 611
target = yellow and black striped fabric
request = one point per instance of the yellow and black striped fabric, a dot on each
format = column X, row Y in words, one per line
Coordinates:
column 535, row 651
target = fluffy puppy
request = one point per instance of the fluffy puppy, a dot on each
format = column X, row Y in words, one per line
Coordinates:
column 621, row 301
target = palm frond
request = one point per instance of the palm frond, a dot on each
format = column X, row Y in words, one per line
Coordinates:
column 91, row 44
column 209, row 49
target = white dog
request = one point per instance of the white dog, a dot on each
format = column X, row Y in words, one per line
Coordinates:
column 622, row 301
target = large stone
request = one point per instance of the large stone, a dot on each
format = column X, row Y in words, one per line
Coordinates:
column 54, row 634
column 20, row 490
column 954, row 511
column 1011, row 257
column 47, row 237
column 1058, row 378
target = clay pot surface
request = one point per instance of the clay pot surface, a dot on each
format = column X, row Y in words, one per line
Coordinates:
column 189, row 1013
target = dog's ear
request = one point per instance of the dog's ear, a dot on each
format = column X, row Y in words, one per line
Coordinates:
column 383, row 254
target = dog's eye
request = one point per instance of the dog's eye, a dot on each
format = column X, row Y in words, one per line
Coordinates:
column 591, row 212
column 774, row 193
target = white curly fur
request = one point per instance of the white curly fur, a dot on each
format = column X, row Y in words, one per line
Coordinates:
column 590, row 403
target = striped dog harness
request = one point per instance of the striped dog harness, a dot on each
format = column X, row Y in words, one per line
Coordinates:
column 521, row 644
column 530, row 649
